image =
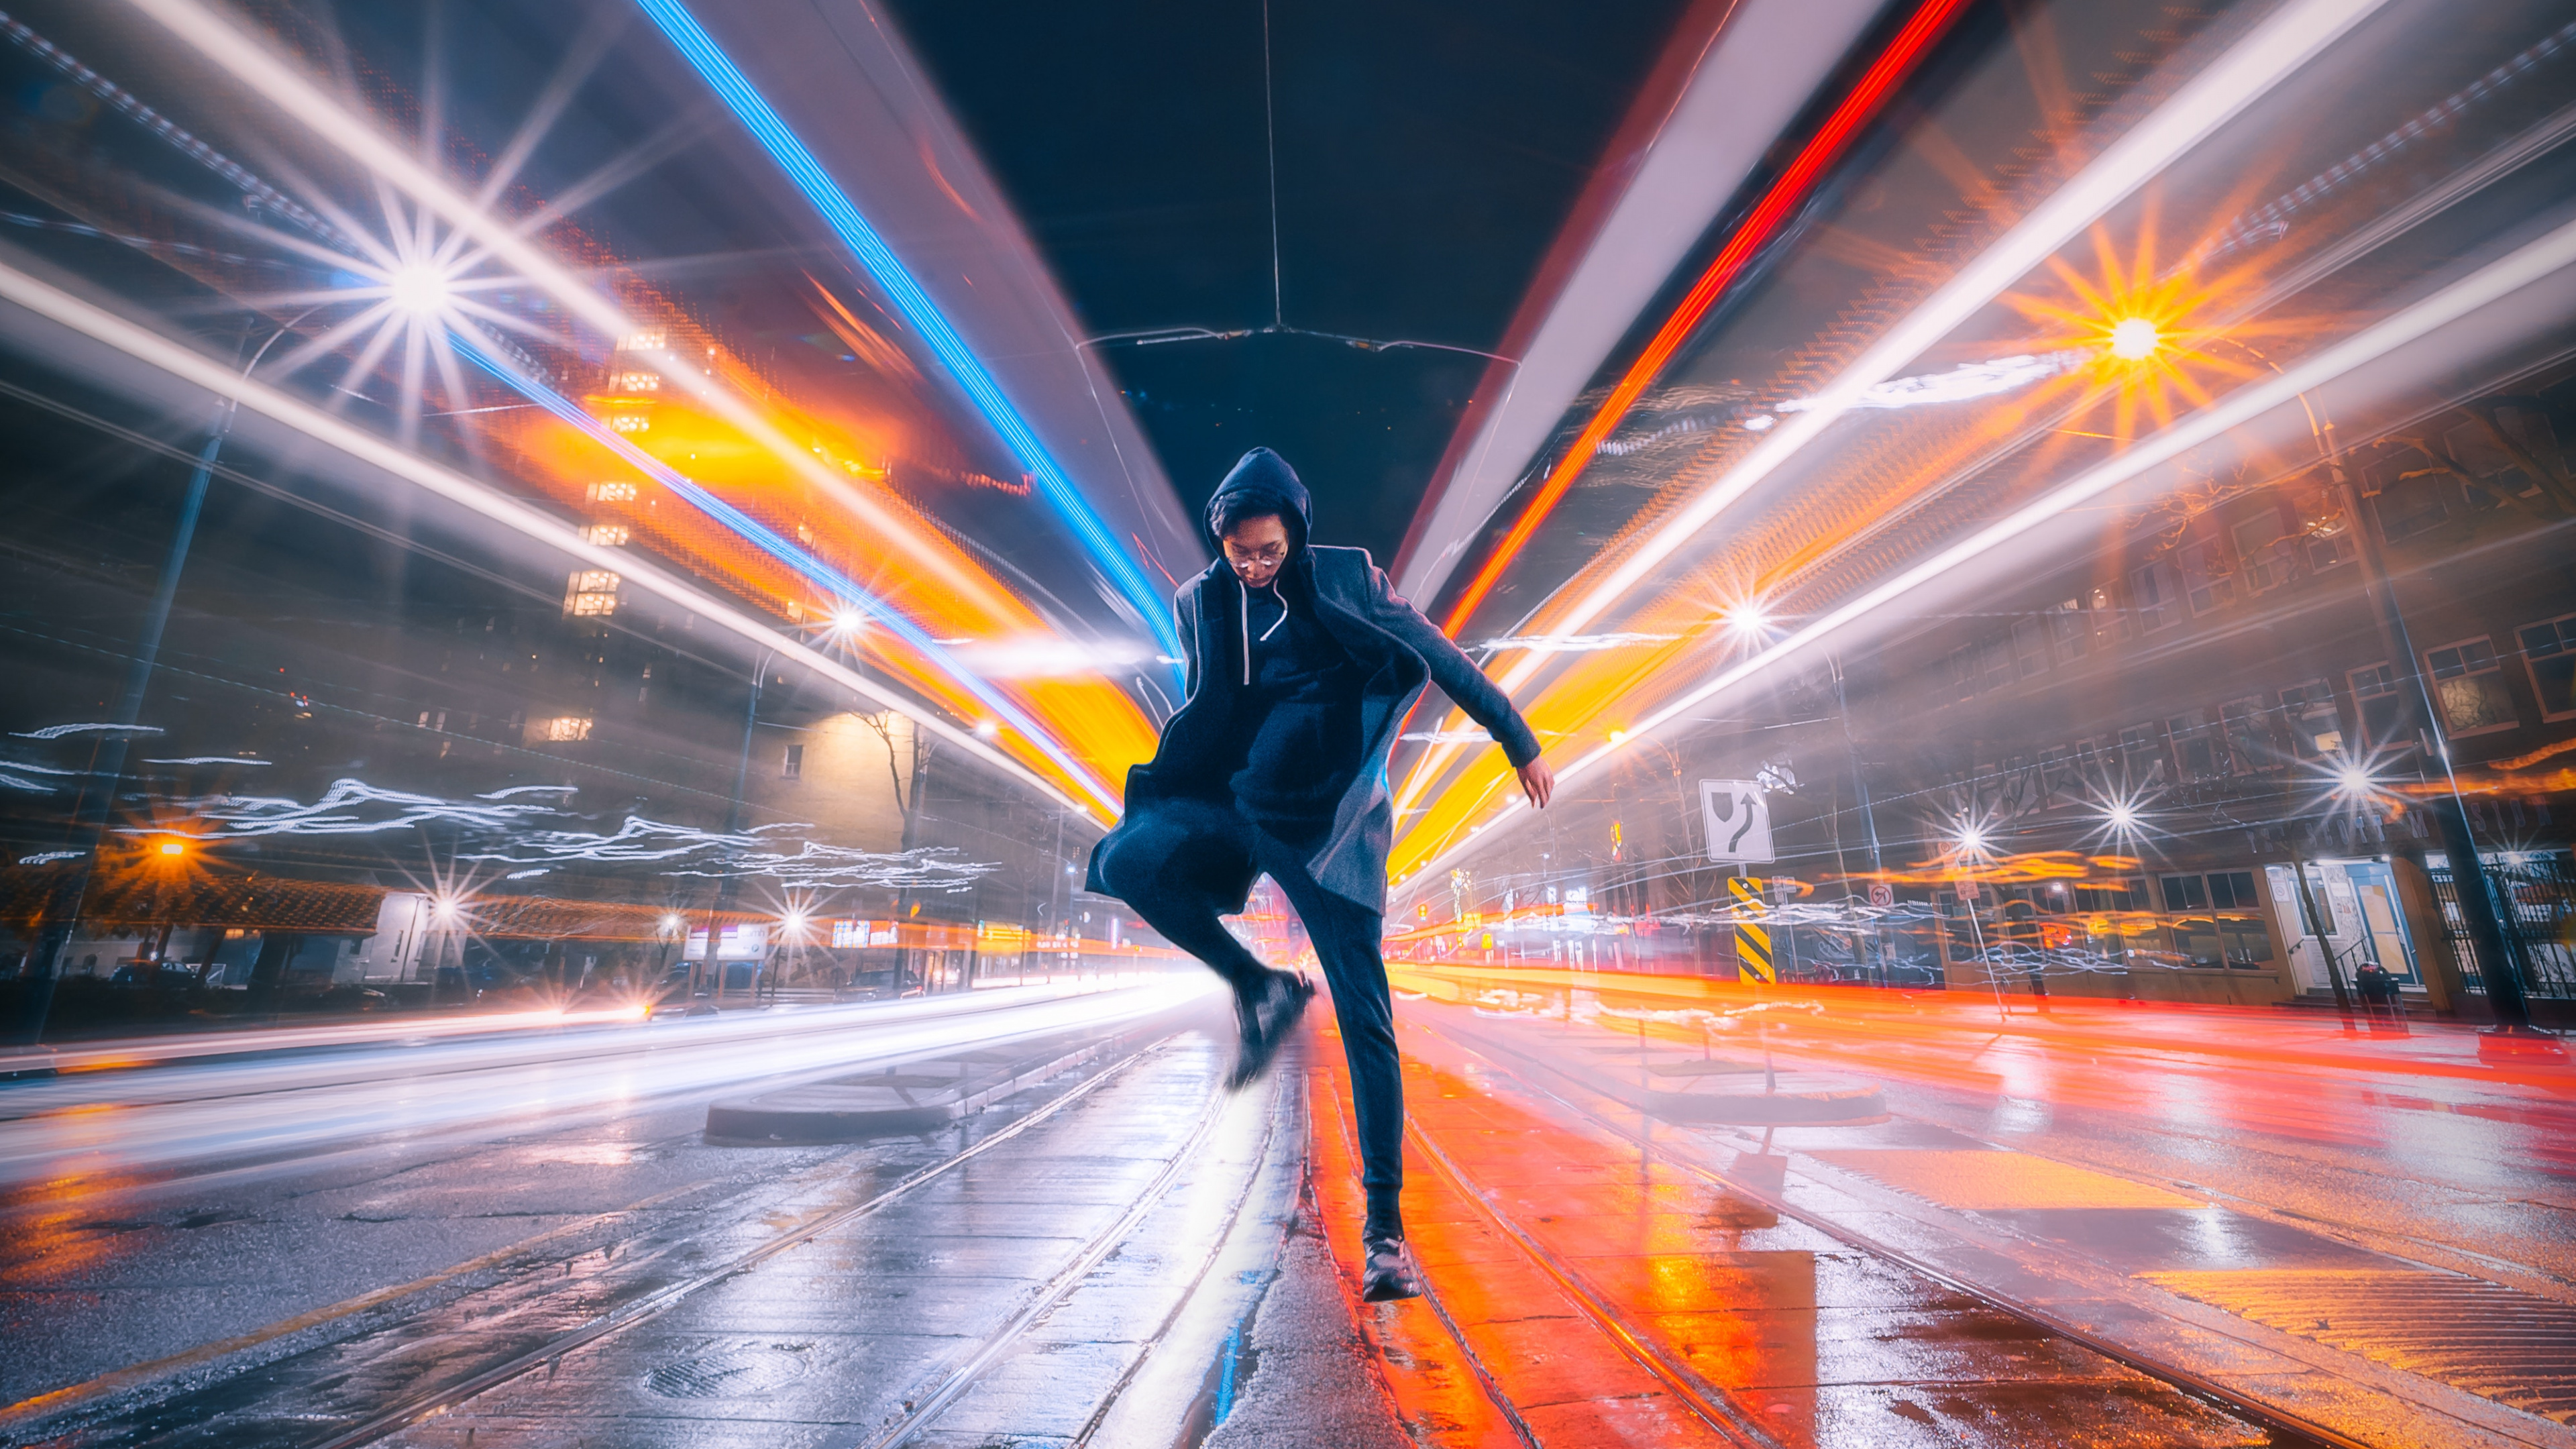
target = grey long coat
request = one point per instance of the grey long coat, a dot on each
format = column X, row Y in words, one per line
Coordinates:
column 1401, row 652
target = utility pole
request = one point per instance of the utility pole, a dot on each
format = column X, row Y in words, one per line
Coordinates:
column 97, row 801
column 2501, row 968
column 733, row 824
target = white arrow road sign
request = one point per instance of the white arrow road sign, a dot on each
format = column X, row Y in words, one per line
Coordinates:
column 1738, row 820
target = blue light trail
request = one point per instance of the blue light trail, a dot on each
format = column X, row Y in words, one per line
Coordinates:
column 755, row 113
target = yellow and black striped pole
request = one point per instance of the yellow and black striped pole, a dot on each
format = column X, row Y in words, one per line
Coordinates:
column 1752, row 938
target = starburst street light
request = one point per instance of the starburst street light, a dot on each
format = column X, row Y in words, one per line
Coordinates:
column 417, row 290
column 2352, row 781
column 1748, row 622
column 2135, row 339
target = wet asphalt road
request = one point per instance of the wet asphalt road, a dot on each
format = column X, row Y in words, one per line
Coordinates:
column 229, row 1213
column 2084, row 1226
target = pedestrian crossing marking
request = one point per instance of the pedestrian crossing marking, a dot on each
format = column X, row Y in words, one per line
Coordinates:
column 2491, row 1340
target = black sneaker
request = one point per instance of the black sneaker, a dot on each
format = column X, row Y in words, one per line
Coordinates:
column 1389, row 1274
column 1266, row 1017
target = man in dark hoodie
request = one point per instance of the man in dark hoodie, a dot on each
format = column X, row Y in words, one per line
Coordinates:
column 1301, row 665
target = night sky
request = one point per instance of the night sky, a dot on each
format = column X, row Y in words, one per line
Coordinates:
column 1428, row 153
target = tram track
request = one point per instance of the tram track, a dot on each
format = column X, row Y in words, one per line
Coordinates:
column 1651, row 1356
column 929, row 1405
column 1705, row 1400
column 578, row 1302
column 448, row 1398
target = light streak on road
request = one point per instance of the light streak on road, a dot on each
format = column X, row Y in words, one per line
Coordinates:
column 159, row 352
column 98, row 1121
column 774, row 135
column 2498, row 280
column 2259, row 61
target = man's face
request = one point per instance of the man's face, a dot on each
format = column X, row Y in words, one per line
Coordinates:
column 1256, row 549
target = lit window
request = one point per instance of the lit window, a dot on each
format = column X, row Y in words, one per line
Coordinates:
column 652, row 339
column 608, row 535
column 2316, row 728
column 2468, row 683
column 612, row 492
column 631, row 423
column 590, row 591
column 565, row 727
column 639, row 382
column 2550, row 651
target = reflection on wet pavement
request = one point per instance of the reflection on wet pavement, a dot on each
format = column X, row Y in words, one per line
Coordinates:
column 2072, row 1169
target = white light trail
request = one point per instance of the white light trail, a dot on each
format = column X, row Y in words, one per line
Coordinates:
column 1574, row 643
column 2493, row 283
column 154, row 350
column 347, row 807
column 2268, row 54
column 1963, row 383
column 2261, row 59
column 56, row 732
column 291, row 91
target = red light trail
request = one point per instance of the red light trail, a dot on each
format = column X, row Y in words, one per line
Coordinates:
column 1778, row 204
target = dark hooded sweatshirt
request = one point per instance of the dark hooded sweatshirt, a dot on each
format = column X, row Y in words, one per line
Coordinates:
column 1291, row 747
column 1294, row 729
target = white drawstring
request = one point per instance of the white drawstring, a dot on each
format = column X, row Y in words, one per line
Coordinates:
column 1244, row 617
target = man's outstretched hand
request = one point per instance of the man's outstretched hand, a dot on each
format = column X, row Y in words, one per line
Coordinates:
column 1538, row 782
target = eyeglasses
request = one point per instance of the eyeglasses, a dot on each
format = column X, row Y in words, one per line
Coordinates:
column 1269, row 553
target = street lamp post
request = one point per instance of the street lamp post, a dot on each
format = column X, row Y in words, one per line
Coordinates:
column 2500, row 967
column 714, row 960
column 107, row 767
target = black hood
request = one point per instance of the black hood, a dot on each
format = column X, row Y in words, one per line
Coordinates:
column 1265, row 478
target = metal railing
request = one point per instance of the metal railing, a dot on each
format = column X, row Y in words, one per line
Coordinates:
column 2538, row 904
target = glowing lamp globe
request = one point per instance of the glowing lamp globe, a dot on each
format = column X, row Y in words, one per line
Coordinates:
column 420, row 291
column 2135, row 339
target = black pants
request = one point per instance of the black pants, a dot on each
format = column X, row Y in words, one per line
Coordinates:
column 1157, row 867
